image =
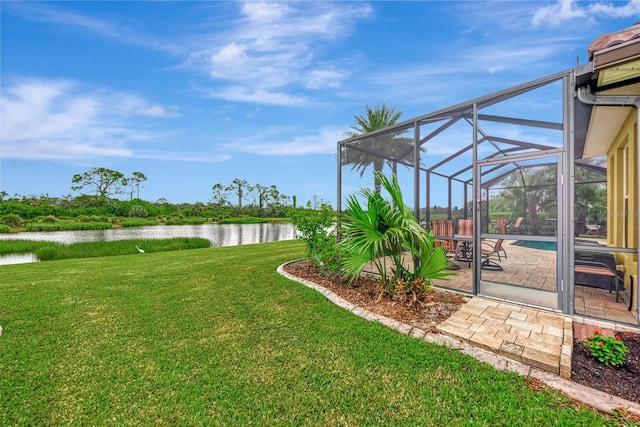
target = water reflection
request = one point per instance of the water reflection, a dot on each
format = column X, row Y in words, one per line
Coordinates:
column 217, row 234
column 18, row 259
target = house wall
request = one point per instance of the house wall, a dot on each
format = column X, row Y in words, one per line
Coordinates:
column 622, row 179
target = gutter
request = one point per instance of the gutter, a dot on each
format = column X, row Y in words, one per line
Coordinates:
column 586, row 97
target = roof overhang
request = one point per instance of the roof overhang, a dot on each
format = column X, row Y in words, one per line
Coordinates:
column 614, row 70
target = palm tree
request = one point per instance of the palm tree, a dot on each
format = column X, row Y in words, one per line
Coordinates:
column 387, row 146
column 378, row 117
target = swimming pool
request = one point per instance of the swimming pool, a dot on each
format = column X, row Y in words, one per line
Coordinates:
column 534, row 244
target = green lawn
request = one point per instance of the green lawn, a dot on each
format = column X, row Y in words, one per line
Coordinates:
column 218, row 337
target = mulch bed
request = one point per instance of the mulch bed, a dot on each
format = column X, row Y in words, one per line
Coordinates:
column 623, row 382
column 436, row 306
column 433, row 308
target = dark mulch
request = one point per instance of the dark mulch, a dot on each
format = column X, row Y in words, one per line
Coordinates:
column 623, row 382
column 436, row 306
column 433, row 308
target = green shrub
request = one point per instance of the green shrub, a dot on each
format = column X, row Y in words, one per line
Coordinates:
column 11, row 220
column 67, row 226
column 138, row 222
column 316, row 228
column 138, row 212
column 49, row 219
column 90, row 218
column 608, row 350
column 5, row 228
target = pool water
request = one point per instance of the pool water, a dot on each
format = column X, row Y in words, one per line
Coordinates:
column 533, row 244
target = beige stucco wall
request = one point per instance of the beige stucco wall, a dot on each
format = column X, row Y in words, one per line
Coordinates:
column 622, row 212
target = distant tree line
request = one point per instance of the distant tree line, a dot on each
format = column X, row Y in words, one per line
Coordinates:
column 99, row 186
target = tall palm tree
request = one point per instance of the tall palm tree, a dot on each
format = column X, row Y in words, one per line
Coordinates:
column 387, row 146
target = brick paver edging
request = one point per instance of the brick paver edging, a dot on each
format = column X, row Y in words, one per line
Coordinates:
column 596, row 399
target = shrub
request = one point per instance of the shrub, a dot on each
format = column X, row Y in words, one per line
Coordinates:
column 186, row 221
column 608, row 350
column 49, row 219
column 138, row 222
column 12, row 220
column 5, row 228
column 388, row 235
column 90, row 218
column 67, row 226
column 316, row 228
column 138, row 212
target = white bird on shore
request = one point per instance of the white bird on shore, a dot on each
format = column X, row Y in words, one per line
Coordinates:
column 139, row 250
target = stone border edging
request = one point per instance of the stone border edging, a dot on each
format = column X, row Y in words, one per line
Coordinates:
column 599, row 400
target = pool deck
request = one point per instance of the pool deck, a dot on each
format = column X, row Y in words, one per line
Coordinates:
column 536, row 269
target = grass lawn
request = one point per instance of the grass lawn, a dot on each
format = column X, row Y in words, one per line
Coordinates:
column 218, row 337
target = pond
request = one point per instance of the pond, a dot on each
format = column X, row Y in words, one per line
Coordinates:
column 217, row 234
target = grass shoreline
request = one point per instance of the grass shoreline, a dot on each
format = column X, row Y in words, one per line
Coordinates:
column 47, row 250
column 217, row 337
column 111, row 223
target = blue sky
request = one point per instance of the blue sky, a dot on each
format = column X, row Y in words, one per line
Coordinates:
column 198, row 93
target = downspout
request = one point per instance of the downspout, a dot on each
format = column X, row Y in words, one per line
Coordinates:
column 339, row 190
column 585, row 96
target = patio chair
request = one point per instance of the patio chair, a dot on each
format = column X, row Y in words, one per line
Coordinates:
column 493, row 249
column 464, row 249
column 442, row 229
column 593, row 229
column 516, row 228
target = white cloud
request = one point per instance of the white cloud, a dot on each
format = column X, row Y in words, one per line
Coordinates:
column 274, row 46
column 264, row 11
column 258, row 96
column 261, row 55
column 182, row 156
column 133, row 105
column 328, row 78
column 62, row 119
column 570, row 10
column 270, row 144
column 515, row 55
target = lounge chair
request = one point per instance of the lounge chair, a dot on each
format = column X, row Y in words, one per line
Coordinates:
column 493, row 249
column 516, row 228
column 593, row 229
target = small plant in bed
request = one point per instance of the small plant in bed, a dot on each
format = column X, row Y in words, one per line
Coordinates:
column 608, row 350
